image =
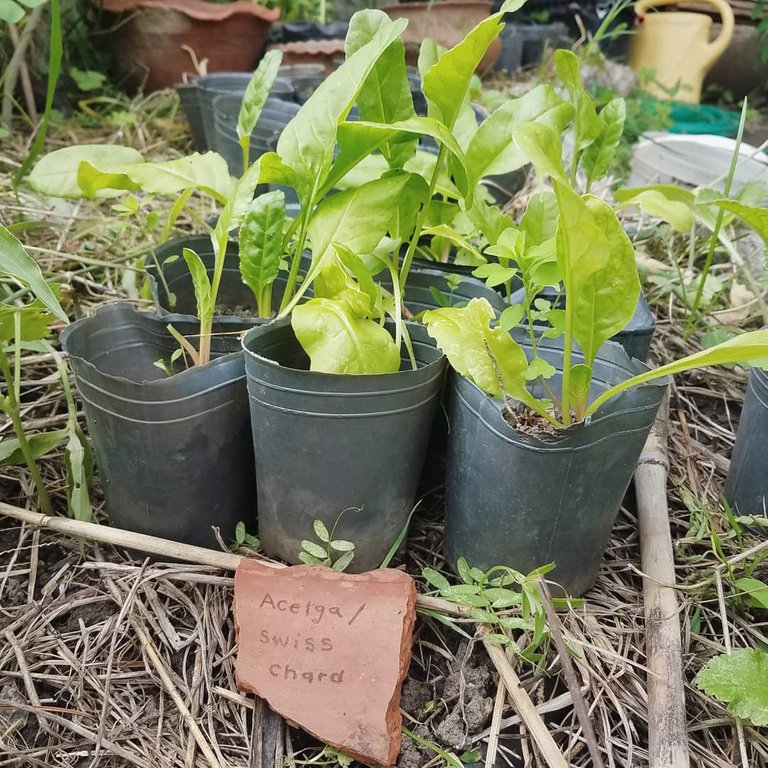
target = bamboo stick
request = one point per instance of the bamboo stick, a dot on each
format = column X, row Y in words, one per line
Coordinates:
column 667, row 736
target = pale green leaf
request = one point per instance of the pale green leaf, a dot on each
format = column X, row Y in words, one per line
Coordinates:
column 201, row 283
column 261, row 244
column 40, row 444
column 15, row 262
column 314, row 549
column 755, row 590
column 597, row 157
column 756, row 218
column 740, row 349
column 337, row 342
column 341, row 545
column 740, row 680
column 344, row 561
column 672, row 204
column 56, row 173
column 321, row 531
column 447, row 81
column 256, row 93
column 11, row 12
column 34, row 320
column 542, row 146
column 435, row 578
column 79, row 462
column 307, row 143
column 493, row 149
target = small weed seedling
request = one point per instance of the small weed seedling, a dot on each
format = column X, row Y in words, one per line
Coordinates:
column 243, row 539
column 334, row 553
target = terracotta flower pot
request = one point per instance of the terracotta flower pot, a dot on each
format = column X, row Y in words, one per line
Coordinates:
column 152, row 38
column 447, row 22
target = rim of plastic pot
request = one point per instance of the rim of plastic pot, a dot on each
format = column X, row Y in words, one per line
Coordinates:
column 365, row 383
column 222, row 367
column 611, row 355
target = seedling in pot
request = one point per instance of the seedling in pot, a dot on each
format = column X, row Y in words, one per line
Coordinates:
column 575, row 240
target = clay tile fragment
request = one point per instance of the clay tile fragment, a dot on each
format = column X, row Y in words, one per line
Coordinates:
column 328, row 651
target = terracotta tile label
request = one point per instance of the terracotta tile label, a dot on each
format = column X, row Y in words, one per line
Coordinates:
column 328, row 651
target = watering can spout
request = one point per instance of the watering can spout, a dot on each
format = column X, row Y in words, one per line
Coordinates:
column 672, row 51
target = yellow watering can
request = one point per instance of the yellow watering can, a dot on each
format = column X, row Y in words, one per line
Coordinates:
column 676, row 47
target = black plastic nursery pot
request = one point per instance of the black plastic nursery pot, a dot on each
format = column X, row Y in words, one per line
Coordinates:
column 327, row 443
column 525, row 500
column 636, row 335
column 189, row 96
column 303, row 31
column 174, row 453
column 235, row 303
column 746, row 488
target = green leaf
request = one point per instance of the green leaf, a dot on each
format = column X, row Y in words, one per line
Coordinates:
column 755, row 590
column 321, row 531
column 34, row 321
column 314, row 549
column 493, row 150
column 240, row 533
column 435, row 579
column 308, row 559
column 56, row 173
column 256, row 93
column 201, row 283
column 597, row 157
column 337, row 342
column 15, row 262
column 740, row 680
column 465, row 572
column 99, row 184
column 307, row 143
column 356, row 218
column 496, row 638
column 672, row 204
column 603, row 299
column 541, row 145
column 385, row 96
column 340, row 545
column 87, row 79
column 261, row 245
column 482, row 354
column 447, row 81
column 343, row 562
column 587, row 125
column 741, row 349
column 40, row 444
column 10, row 12
column 79, row 462
column 365, row 282
column 756, row 218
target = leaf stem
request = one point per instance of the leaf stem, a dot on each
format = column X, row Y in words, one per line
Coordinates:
column 10, row 404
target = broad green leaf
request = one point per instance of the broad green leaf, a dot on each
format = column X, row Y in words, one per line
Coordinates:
column 587, row 126
column 493, row 150
column 201, row 284
column 598, row 156
column 450, row 234
column 425, row 126
column 541, row 145
column 490, row 220
column 386, row 94
column 743, row 348
column 55, row 174
column 510, row 318
column 307, row 143
column 208, row 172
column 756, row 218
column 335, row 283
column 740, row 680
column 321, row 531
column 34, row 320
column 365, row 282
column 10, row 12
column 261, row 243
column 755, row 590
column 602, row 300
column 256, row 93
column 446, row 82
column 356, row 218
column 429, row 53
column 341, row 545
column 95, row 183
column 15, row 262
column 488, row 357
column 337, row 342
column 672, row 204
column 413, row 195
column 40, row 444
